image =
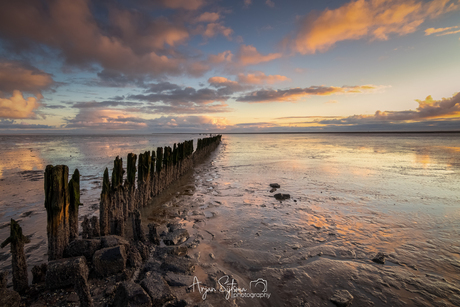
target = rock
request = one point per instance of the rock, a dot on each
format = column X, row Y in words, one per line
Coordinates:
column 9, row 298
column 157, row 288
column 110, row 241
column 39, row 273
column 280, row 196
column 178, row 280
column 272, row 190
column 134, row 258
column 176, row 236
column 85, row 247
column 130, row 294
column 342, row 298
column 211, row 255
column 379, row 258
column 156, row 231
column 275, row 185
column 110, row 260
column 3, row 279
column 61, row 273
column 178, row 265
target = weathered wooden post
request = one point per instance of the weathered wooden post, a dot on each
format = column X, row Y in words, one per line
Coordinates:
column 118, row 205
column 138, row 232
column 17, row 240
column 74, row 189
column 57, row 209
column 130, row 183
column 105, row 204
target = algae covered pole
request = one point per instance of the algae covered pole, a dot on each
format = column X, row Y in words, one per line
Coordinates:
column 17, row 241
column 74, row 190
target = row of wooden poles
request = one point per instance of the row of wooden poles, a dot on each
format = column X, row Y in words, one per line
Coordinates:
column 155, row 172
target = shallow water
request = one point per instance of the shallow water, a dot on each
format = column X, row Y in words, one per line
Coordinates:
column 352, row 195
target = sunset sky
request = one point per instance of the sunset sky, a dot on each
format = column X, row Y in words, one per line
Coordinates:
column 151, row 66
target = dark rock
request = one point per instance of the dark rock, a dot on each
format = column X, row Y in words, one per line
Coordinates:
column 61, row 273
column 134, row 257
column 272, row 190
column 176, row 236
column 110, row 260
column 178, row 265
column 110, row 241
column 280, row 196
column 9, row 298
column 157, row 288
column 85, row 247
column 3, row 279
column 91, row 228
column 180, row 250
column 82, row 288
column 39, row 273
column 342, row 298
column 379, row 258
column 178, row 280
column 130, row 294
column 275, row 185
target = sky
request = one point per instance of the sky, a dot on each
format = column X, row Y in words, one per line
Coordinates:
column 155, row 66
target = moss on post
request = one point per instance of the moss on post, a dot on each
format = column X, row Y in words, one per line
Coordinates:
column 17, row 241
column 57, row 209
column 74, row 190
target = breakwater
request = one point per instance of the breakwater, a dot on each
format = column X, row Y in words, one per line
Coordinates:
column 121, row 196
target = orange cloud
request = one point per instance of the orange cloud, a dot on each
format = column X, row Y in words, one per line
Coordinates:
column 430, row 31
column 375, row 19
column 261, row 78
column 17, row 76
column 248, row 55
column 294, row 94
column 18, row 107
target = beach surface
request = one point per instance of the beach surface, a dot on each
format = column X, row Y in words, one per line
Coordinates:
column 352, row 196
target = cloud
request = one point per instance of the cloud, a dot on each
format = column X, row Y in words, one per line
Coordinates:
column 332, row 101
column 17, row 106
column 248, row 55
column 270, row 3
column 105, row 104
column 214, row 29
column 109, row 119
column 448, row 33
column 181, row 4
column 208, row 17
column 12, row 124
column 223, row 57
column 19, row 76
column 372, row 19
column 225, row 86
column 247, row 3
column 169, row 98
column 294, row 94
column 261, row 78
column 430, row 31
column 125, row 41
column 428, row 109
